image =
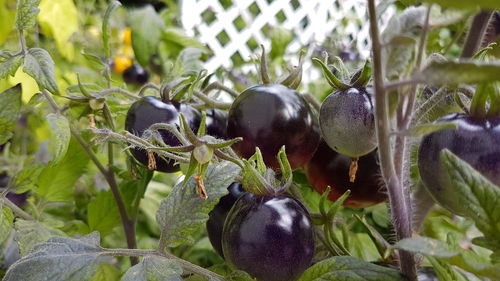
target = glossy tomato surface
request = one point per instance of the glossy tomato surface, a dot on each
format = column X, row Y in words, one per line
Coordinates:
column 270, row 237
column 216, row 123
column 270, row 116
column 329, row 168
column 347, row 122
column 476, row 141
column 135, row 74
column 150, row 110
column 218, row 215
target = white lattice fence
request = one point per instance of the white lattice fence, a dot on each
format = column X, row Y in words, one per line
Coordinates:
column 233, row 30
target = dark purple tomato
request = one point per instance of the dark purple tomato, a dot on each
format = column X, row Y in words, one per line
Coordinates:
column 135, row 74
column 269, row 237
column 270, row 116
column 216, row 123
column 217, row 216
column 476, row 141
column 347, row 122
column 329, row 168
column 150, row 110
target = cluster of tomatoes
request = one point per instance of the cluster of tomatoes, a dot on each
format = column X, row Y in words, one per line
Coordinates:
column 257, row 232
column 336, row 146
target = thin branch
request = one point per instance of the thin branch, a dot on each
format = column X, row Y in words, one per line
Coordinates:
column 218, row 86
column 127, row 223
column 211, row 102
column 394, row 85
column 18, row 211
column 398, row 203
column 121, row 91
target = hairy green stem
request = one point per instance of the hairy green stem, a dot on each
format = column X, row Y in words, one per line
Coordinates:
column 399, row 208
column 184, row 264
column 127, row 223
column 18, row 211
column 476, row 33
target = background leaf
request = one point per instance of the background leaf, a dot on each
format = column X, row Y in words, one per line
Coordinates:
column 30, row 233
column 56, row 181
column 147, row 28
column 462, row 72
column 465, row 259
column 154, row 268
column 182, row 213
column 10, row 106
column 10, row 66
column 6, row 221
column 102, row 213
column 476, row 192
column 59, row 19
column 106, row 272
column 349, row 268
column 467, row 4
column 59, row 259
column 60, row 136
column 7, row 18
column 26, row 13
column 39, row 65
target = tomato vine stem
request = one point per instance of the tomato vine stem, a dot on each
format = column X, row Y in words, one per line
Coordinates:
column 127, row 223
column 399, row 207
column 476, row 33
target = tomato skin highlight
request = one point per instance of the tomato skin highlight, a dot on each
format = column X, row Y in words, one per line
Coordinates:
column 218, row 215
column 347, row 122
column 270, row 237
column 270, row 116
column 329, row 168
column 150, row 110
column 476, row 141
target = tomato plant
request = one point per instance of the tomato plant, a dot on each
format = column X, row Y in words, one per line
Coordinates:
column 125, row 155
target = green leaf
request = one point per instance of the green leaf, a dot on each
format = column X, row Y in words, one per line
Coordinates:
column 6, row 221
column 280, row 38
column 154, row 268
column 133, row 190
column 349, row 268
column 27, row 178
column 30, row 233
column 102, row 213
column 56, row 181
column 7, row 18
column 39, row 65
column 424, row 129
column 59, row 259
column 459, row 72
column 59, row 19
column 10, row 66
column 465, row 259
column 189, row 62
column 26, row 13
column 476, row 192
column 400, row 37
column 467, row 4
column 182, row 213
column 10, row 105
column 60, row 136
column 147, row 28
column 105, row 30
column 106, row 272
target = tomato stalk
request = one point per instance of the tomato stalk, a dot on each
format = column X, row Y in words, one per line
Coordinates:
column 399, row 205
column 127, row 223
